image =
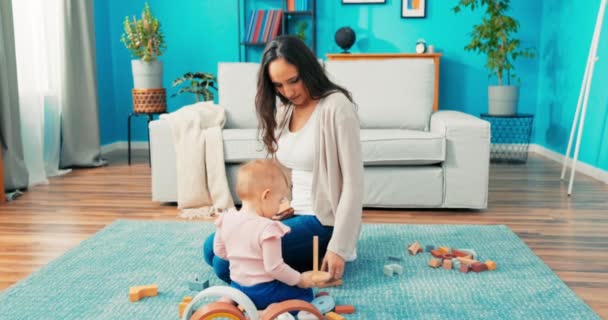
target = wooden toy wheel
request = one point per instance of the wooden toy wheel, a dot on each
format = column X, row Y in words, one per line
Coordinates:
column 218, row 309
column 277, row 309
column 222, row 291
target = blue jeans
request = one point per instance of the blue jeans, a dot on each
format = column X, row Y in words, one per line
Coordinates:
column 264, row 294
column 297, row 246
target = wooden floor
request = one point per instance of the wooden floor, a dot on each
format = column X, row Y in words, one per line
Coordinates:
column 569, row 233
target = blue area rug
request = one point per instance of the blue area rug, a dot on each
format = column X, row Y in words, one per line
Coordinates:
column 92, row 280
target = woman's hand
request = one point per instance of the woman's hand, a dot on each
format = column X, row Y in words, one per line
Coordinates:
column 333, row 264
column 306, row 280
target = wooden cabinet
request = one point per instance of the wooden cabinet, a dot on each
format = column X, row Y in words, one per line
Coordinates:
column 380, row 56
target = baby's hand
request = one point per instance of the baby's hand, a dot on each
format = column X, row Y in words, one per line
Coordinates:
column 306, row 280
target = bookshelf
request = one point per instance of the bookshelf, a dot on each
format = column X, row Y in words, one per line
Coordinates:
column 292, row 11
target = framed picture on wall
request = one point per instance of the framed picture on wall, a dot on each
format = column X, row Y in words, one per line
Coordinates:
column 413, row 8
column 362, row 1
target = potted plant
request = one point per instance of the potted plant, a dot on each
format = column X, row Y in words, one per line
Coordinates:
column 494, row 37
column 145, row 40
column 200, row 85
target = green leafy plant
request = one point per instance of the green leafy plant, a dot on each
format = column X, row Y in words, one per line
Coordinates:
column 494, row 36
column 143, row 37
column 200, row 84
column 301, row 30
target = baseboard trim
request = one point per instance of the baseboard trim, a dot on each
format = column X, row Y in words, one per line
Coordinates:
column 581, row 167
column 123, row 145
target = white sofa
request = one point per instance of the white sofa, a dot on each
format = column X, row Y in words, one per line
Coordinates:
column 413, row 157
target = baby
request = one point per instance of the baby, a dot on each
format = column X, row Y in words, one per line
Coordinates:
column 251, row 240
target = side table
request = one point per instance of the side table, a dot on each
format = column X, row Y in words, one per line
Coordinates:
column 150, row 118
column 510, row 137
column 146, row 102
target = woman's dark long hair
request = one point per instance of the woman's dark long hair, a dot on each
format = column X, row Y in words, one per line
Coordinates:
column 295, row 52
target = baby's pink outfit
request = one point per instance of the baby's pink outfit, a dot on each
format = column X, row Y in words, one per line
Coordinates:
column 252, row 244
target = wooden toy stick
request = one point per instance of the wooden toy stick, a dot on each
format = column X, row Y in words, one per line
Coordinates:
column 315, row 253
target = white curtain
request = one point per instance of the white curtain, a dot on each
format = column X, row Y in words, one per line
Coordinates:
column 38, row 43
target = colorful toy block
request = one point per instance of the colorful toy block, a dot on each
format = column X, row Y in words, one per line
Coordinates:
column 470, row 252
column 395, row 258
column 305, row 315
column 458, row 253
column 447, row 264
column 434, row 263
column 321, row 293
column 491, row 265
column 429, row 247
column 324, row 304
column 197, row 284
column 455, row 264
column 479, row 267
column 414, row 248
column 437, row 253
column 397, row 269
column 345, row 309
column 182, row 305
column 465, row 268
column 334, row 316
column 388, row 270
column 138, row 292
column 445, row 250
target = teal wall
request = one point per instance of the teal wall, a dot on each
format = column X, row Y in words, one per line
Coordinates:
column 565, row 41
column 201, row 33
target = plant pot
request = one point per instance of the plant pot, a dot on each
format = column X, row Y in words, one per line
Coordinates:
column 147, row 75
column 502, row 100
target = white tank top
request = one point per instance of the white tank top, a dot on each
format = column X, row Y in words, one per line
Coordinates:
column 297, row 151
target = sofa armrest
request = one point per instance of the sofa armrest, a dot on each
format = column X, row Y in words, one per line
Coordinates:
column 467, row 163
column 162, row 158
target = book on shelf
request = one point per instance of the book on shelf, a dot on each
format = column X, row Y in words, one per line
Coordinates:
column 263, row 26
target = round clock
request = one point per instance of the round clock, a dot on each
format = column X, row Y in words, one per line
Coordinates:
column 420, row 46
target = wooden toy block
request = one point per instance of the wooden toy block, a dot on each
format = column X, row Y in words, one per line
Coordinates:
column 429, row 247
column 470, row 252
column 479, row 267
column 458, row 253
column 437, row 253
column 491, row 265
column 397, row 269
column 414, row 248
column 466, row 261
column 197, row 284
column 345, row 309
column 182, row 305
column 465, row 268
column 447, row 264
column 321, row 293
column 334, row 283
column 447, row 256
column 334, row 316
column 395, row 258
column 388, row 270
column 138, row 292
column 455, row 264
column 324, row 303
column 445, row 250
column 434, row 263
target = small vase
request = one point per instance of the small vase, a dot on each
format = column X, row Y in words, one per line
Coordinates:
column 147, row 75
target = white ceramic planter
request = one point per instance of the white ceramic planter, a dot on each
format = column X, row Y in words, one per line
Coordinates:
column 502, row 100
column 147, row 75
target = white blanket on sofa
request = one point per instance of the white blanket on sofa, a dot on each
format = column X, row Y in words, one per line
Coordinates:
column 202, row 187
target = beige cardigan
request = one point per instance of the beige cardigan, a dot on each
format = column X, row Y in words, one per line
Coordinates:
column 337, row 183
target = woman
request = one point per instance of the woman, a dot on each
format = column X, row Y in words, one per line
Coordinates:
column 314, row 132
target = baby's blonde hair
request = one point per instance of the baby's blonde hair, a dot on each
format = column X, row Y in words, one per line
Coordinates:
column 257, row 175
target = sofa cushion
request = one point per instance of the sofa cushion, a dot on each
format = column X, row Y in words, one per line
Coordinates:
column 399, row 93
column 380, row 147
column 401, row 147
column 236, row 93
column 241, row 145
